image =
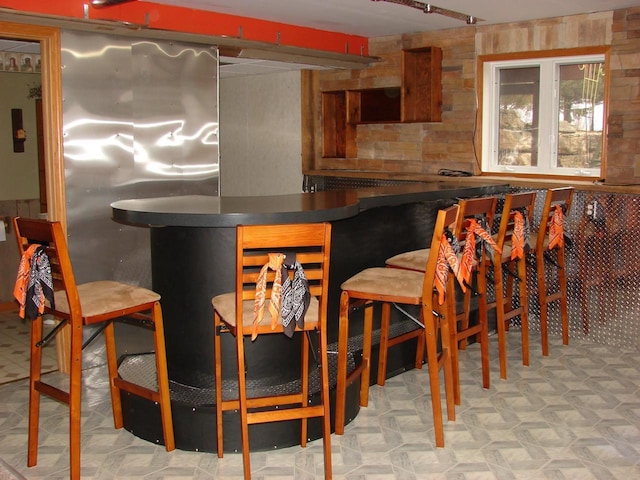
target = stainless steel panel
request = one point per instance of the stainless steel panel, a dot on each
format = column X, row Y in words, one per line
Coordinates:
column 140, row 120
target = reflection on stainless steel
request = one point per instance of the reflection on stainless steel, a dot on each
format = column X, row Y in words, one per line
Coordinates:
column 140, row 120
column 94, row 149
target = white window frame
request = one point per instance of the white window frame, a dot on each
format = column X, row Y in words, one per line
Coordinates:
column 548, row 111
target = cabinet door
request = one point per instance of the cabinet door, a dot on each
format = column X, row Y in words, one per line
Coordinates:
column 422, row 85
column 338, row 135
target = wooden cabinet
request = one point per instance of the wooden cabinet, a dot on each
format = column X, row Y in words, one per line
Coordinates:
column 338, row 136
column 422, row 85
column 417, row 99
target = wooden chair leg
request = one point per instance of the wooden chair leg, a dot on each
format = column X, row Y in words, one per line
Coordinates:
column 362, row 370
column 112, row 367
column 325, row 399
column 163, row 379
column 341, row 376
column 524, row 307
column 384, row 342
column 562, row 281
column 542, row 298
column 75, row 400
column 367, row 340
column 434, row 380
column 242, row 399
column 445, row 360
column 34, row 394
column 63, row 347
column 500, row 319
column 217, row 323
column 483, row 334
column 455, row 359
column 463, row 318
column 304, row 380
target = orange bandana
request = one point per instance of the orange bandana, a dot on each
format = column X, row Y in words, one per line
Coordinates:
column 275, row 263
column 446, row 259
column 556, row 228
column 518, row 238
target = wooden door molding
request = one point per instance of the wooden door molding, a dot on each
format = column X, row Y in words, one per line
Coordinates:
column 50, row 53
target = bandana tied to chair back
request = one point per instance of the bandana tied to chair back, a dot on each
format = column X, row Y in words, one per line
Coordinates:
column 556, row 228
column 447, row 259
column 34, row 285
column 275, row 263
column 478, row 237
column 520, row 236
column 290, row 298
column 295, row 297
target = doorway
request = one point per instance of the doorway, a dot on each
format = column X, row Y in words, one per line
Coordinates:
column 51, row 131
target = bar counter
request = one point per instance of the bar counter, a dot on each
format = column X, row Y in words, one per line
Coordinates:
column 192, row 240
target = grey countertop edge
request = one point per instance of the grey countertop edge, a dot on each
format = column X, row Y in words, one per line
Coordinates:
column 124, row 212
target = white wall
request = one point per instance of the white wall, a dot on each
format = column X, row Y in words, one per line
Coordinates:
column 18, row 171
column 260, row 135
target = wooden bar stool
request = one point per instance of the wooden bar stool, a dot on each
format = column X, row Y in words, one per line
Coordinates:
column 258, row 288
column 513, row 239
column 390, row 285
column 474, row 212
column 549, row 240
column 483, row 209
column 93, row 303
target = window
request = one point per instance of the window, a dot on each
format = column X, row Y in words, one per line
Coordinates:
column 544, row 115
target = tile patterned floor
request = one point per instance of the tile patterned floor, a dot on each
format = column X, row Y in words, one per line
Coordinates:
column 572, row 415
column 14, row 349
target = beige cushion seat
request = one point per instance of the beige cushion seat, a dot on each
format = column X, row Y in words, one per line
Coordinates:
column 225, row 305
column 386, row 282
column 106, row 296
column 413, row 260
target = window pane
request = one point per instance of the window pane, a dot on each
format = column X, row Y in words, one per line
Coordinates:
column 581, row 115
column 518, row 132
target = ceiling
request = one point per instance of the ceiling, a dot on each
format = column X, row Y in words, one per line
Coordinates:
column 367, row 18
column 377, row 18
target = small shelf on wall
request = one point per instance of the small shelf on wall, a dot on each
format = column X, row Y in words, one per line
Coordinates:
column 417, row 99
column 375, row 105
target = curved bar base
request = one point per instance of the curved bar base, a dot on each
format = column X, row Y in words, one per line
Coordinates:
column 193, row 259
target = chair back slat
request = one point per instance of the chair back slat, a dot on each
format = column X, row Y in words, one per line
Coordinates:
column 310, row 242
column 514, row 202
column 474, row 208
column 555, row 196
column 446, row 219
column 31, row 231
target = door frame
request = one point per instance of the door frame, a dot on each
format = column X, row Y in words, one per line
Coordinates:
column 51, row 78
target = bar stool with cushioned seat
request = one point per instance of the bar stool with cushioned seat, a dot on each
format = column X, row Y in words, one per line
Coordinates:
column 474, row 223
column 92, row 303
column 550, row 240
column 262, row 286
column 389, row 285
column 483, row 209
column 512, row 238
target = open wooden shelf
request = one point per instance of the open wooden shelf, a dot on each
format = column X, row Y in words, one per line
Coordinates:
column 417, row 99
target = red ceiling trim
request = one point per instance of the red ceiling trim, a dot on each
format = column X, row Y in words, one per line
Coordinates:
column 180, row 19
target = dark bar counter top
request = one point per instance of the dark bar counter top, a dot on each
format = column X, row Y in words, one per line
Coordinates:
column 214, row 211
column 192, row 241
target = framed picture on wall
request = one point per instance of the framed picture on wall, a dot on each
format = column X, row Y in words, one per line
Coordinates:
column 36, row 59
column 27, row 65
column 10, row 61
column 1, row 61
